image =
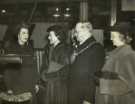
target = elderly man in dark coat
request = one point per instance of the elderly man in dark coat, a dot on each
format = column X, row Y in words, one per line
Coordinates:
column 89, row 59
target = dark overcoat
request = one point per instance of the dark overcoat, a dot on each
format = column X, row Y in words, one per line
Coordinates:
column 24, row 78
column 54, row 73
column 81, row 75
column 59, row 55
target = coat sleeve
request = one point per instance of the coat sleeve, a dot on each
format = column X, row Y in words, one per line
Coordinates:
column 45, row 59
column 45, row 63
column 127, row 70
column 96, row 62
column 98, row 57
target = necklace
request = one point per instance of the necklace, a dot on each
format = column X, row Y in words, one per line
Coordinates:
column 76, row 53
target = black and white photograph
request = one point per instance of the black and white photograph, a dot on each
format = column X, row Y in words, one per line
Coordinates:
column 67, row 51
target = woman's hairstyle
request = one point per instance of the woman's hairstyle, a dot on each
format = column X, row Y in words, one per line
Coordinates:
column 19, row 27
column 59, row 32
column 126, row 38
column 14, row 29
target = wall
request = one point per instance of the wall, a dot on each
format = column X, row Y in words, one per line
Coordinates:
column 99, row 35
column 3, row 29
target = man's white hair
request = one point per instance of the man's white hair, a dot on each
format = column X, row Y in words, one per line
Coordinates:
column 86, row 25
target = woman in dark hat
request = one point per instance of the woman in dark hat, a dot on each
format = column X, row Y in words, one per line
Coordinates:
column 20, row 80
column 56, row 42
column 117, row 80
column 55, row 64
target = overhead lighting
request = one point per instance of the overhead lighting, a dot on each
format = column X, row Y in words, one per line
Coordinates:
column 57, row 9
column 67, row 14
column 3, row 11
column 57, row 14
column 67, row 9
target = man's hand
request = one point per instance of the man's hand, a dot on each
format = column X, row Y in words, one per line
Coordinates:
column 36, row 88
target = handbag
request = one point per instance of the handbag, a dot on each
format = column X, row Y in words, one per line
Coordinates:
column 113, row 87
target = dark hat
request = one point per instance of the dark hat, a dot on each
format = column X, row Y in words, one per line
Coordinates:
column 122, row 27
